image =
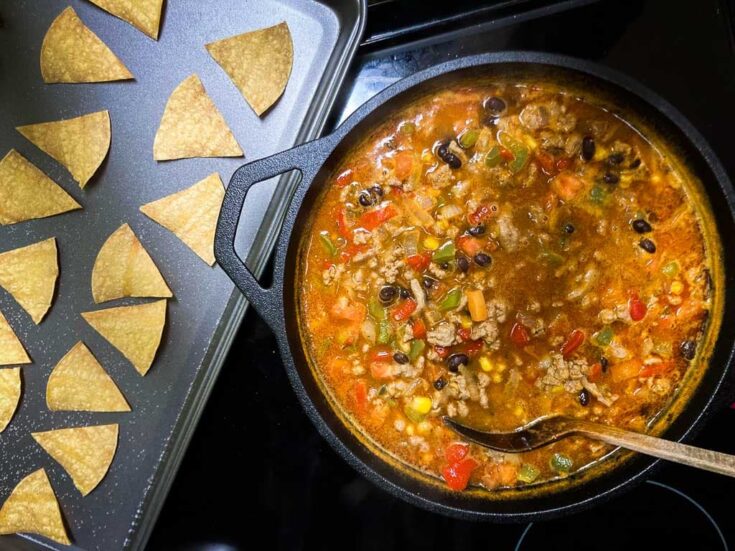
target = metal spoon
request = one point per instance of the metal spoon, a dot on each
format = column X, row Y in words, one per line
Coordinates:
column 545, row 430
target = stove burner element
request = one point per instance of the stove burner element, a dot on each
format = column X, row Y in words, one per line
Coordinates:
column 653, row 516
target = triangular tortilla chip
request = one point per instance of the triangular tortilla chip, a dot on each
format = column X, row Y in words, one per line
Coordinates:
column 86, row 453
column 80, row 383
column 32, row 508
column 192, row 126
column 80, row 144
column 72, row 53
column 10, row 386
column 258, row 62
column 144, row 15
column 27, row 193
column 29, row 274
column 191, row 214
column 11, row 349
column 125, row 269
column 134, row 330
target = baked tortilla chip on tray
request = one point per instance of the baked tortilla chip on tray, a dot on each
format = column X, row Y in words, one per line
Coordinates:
column 27, row 193
column 29, row 274
column 80, row 383
column 10, row 387
column 134, row 330
column 144, row 15
column 86, row 453
column 124, row 268
column 72, row 53
column 191, row 214
column 192, row 126
column 79, row 144
column 258, row 62
column 11, row 349
column 32, row 508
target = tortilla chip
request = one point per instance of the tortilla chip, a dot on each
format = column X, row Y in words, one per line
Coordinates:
column 125, row 269
column 258, row 62
column 144, row 15
column 191, row 214
column 80, row 383
column 10, row 386
column 192, row 126
column 29, row 274
column 86, row 453
column 134, row 330
column 11, row 349
column 80, row 144
column 73, row 53
column 27, row 193
column 32, row 508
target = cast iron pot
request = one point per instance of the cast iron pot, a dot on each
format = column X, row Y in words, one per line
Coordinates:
column 278, row 304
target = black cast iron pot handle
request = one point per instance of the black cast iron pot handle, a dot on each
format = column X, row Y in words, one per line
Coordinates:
column 307, row 159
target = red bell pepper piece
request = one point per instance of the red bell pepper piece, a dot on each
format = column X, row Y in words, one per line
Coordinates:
column 374, row 218
column 636, row 307
column 456, row 452
column 404, row 310
column 418, row 328
column 344, row 178
column 575, row 340
column 519, row 334
column 419, row 262
column 457, row 475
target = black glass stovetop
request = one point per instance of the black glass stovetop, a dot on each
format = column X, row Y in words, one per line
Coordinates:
column 256, row 469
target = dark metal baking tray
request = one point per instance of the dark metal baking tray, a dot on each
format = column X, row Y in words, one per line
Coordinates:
column 206, row 310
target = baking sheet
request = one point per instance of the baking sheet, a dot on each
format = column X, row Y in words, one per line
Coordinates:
column 206, row 310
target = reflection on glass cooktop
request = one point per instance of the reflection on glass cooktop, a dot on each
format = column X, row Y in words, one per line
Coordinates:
column 257, row 470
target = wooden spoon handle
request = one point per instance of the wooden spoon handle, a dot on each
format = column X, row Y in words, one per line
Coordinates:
column 699, row 458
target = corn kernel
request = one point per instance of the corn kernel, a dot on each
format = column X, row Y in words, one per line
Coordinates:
column 557, row 389
column 485, row 363
column 497, row 377
column 410, row 430
column 465, row 322
column 424, row 427
column 443, row 224
column 501, row 366
column 427, row 156
column 431, row 243
column 421, row 404
column 677, row 287
column 518, row 411
column 656, row 178
column 530, row 142
column 600, row 154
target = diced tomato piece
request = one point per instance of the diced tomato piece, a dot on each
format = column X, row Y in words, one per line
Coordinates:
column 563, row 163
column 469, row 245
column 656, row 370
column 472, row 348
column 457, row 475
column 359, row 395
column 519, row 334
column 567, row 185
column 506, row 153
column 374, row 218
column 546, row 162
column 441, row 351
column 344, row 178
column 350, row 311
column 404, row 164
column 381, row 370
column 595, row 373
column 380, row 354
column 418, row 328
column 404, row 310
column 342, row 227
column 575, row 340
column 456, row 452
column 419, row 262
column 636, row 307
column 464, row 334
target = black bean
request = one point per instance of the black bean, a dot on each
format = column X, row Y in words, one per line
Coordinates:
column 428, row 282
column 588, row 148
column 688, row 349
column 455, row 360
column 482, row 259
column 584, row 397
column 641, row 226
column 442, row 150
column 400, row 358
column 440, row 383
column 463, row 263
column 611, row 178
column 365, row 198
column 490, row 120
column 647, row 245
column 377, row 190
column 604, row 364
column 387, row 294
column 403, row 292
column 494, row 104
column 616, row 158
column 477, row 230
column 444, row 265
column 635, row 164
column 452, row 160
column 568, row 228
